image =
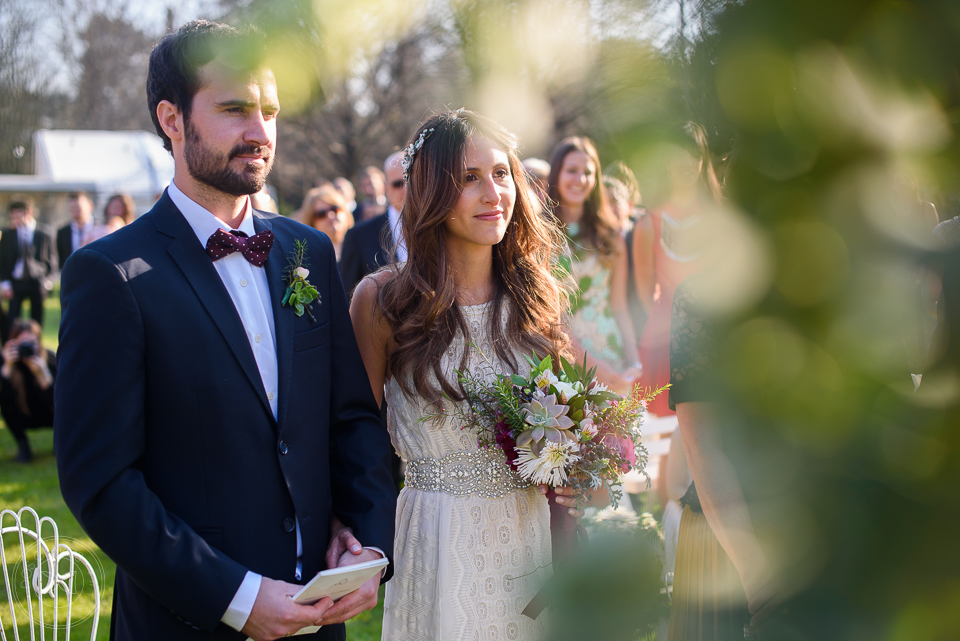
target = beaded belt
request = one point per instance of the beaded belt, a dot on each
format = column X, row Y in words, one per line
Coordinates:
column 483, row 472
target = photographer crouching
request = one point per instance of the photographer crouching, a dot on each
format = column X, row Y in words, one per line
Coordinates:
column 26, row 384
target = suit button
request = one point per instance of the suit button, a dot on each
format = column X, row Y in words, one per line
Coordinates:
column 282, row 447
column 288, row 525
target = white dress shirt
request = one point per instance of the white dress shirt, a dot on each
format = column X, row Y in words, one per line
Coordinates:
column 393, row 218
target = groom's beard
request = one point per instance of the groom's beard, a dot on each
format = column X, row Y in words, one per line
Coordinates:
column 213, row 168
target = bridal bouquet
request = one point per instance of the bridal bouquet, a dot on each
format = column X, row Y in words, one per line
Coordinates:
column 560, row 429
column 555, row 429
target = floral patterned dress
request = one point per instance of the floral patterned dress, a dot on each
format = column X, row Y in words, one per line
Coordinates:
column 591, row 318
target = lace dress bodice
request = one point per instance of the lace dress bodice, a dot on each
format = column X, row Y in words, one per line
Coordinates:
column 466, row 566
column 415, row 431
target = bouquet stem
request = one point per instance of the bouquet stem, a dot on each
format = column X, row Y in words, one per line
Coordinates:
column 565, row 533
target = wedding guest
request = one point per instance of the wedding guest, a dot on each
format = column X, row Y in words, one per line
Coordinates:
column 538, row 172
column 323, row 209
column 627, row 201
column 667, row 248
column 374, row 201
column 119, row 211
column 722, row 575
column 70, row 237
column 376, row 242
column 28, row 259
column 26, row 384
column 476, row 294
column 345, row 187
column 600, row 324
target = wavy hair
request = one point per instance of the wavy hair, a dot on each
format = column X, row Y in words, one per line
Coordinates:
column 420, row 301
column 599, row 226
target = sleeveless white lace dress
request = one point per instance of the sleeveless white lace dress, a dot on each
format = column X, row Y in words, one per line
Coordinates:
column 472, row 549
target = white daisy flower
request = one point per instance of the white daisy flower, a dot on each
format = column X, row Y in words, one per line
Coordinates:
column 550, row 466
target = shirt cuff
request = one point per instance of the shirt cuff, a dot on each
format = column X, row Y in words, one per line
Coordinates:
column 382, row 556
column 242, row 604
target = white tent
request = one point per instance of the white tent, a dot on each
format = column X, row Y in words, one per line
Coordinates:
column 132, row 162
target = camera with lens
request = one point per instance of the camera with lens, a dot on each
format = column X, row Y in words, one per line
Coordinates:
column 26, row 350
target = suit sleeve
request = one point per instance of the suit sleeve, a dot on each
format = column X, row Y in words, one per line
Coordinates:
column 100, row 435
column 364, row 496
column 351, row 262
column 8, row 254
column 49, row 257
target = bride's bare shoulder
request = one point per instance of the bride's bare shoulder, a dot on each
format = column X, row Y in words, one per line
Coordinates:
column 368, row 290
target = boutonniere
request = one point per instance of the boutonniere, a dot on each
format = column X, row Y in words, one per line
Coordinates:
column 300, row 293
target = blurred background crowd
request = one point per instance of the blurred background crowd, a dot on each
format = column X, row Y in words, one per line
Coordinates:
column 800, row 156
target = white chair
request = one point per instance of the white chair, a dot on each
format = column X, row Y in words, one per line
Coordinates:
column 34, row 582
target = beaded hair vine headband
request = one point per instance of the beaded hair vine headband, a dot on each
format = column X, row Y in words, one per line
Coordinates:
column 411, row 152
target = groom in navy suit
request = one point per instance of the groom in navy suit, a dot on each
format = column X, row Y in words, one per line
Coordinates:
column 209, row 439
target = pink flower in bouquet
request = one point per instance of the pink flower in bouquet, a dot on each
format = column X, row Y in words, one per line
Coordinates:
column 623, row 447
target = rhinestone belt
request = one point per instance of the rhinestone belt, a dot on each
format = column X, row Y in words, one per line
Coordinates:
column 484, row 473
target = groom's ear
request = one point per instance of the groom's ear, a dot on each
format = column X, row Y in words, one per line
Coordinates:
column 170, row 118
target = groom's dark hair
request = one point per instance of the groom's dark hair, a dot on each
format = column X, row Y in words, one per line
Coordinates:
column 174, row 72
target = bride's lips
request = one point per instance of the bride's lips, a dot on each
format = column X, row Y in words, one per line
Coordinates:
column 496, row 214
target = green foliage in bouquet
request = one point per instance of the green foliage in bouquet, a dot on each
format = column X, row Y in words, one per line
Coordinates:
column 558, row 425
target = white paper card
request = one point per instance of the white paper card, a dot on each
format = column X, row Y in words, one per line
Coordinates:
column 339, row 582
column 336, row 584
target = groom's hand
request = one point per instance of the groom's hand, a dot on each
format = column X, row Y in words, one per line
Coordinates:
column 276, row 615
column 341, row 540
column 356, row 602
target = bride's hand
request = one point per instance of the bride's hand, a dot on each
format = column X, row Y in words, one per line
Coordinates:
column 341, row 540
column 565, row 497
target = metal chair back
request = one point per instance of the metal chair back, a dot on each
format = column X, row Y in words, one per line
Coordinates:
column 43, row 579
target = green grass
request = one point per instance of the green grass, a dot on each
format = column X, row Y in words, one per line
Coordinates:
column 36, row 485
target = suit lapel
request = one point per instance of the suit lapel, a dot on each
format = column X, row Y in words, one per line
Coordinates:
column 282, row 317
column 199, row 271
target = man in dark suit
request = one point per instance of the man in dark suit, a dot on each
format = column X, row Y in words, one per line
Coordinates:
column 209, row 438
column 70, row 237
column 27, row 259
column 367, row 247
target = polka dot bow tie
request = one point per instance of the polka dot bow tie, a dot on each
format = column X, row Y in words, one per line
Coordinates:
column 255, row 248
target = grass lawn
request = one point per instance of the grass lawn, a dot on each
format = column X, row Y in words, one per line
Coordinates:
column 36, row 485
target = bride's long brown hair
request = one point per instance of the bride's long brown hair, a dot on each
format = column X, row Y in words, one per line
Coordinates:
column 420, row 301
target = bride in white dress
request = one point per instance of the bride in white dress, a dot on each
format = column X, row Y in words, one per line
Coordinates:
column 477, row 293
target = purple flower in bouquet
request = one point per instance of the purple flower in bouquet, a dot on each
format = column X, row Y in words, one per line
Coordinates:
column 504, row 439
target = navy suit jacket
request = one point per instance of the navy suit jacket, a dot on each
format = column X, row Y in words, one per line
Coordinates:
column 167, row 449
column 365, row 250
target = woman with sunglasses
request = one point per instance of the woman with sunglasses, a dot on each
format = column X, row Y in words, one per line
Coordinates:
column 324, row 209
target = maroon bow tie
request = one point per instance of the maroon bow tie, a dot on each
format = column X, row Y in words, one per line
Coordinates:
column 255, row 248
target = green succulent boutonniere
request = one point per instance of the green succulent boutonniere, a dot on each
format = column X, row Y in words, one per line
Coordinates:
column 300, row 293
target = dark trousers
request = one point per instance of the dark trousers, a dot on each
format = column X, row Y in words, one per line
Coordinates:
column 27, row 289
column 39, row 404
